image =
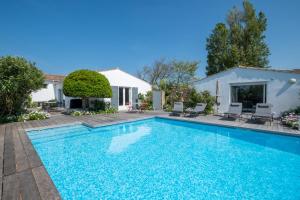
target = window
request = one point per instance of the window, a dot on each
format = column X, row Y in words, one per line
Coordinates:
column 45, row 85
column 120, row 96
column 249, row 95
column 126, row 96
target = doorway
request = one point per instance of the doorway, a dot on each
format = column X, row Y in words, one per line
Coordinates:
column 124, row 98
column 249, row 95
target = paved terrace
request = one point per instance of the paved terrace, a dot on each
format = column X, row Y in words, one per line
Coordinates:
column 23, row 175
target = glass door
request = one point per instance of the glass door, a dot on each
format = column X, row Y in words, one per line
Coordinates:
column 124, row 98
column 249, row 95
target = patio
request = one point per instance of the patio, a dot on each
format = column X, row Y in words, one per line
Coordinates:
column 23, row 175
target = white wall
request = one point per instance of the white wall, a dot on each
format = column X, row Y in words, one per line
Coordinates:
column 119, row 78
column 44, row 94
column 280, row 93
column 48, row 93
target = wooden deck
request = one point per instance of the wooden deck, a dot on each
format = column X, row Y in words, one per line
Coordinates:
column 23, row 175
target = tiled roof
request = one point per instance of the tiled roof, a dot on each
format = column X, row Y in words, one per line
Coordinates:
column 50, row 77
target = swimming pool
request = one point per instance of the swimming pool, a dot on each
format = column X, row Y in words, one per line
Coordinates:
column 167, row 159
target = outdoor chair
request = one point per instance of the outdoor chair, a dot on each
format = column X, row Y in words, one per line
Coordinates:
column 234, row 110
column 178, row 109
column 263, row 111
column 193, row 112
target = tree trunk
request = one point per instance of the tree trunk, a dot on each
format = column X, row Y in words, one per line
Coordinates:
column 85, row 102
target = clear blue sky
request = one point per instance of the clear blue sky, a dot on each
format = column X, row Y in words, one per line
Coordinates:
column 61, row 36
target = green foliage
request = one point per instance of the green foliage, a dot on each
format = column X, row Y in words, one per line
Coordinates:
column 146, row 100
column 201, row 97
column 85, row 84
column 183, row 72
column 165, row 72
column 160, row 70
column 110, row 110
column 29, row 103
column 168, row 108
column 36, row 115
column 77, row 113
column 290, row 118
column 8, row 118
column 295, row 111
column 99, row 105
column 241, row 42
column 218, row 56
column 18, row 78
column 174, row 77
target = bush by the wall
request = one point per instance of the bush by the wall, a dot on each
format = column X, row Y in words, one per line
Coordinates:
column 35, row 115
column 201, row 97
column 85, row 84
column 83, row 112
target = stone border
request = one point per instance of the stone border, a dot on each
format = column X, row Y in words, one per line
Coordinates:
column 191, row 120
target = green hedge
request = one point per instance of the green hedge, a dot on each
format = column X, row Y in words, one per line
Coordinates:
column 87, row 83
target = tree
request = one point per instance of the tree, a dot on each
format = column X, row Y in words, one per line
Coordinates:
column 85, row 84
column 244, row 41
column 217, row 43
column 18, row 79
column 156, row 73
column 255, row 48
column 183, row 72
column 174, row 77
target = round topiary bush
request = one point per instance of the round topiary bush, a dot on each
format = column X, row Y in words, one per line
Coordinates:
column 85, row 84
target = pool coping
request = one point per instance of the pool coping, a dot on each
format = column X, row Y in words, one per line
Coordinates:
column 191, row 120
column 89, row 125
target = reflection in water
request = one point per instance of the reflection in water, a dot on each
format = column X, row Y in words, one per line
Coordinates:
column 121, row 142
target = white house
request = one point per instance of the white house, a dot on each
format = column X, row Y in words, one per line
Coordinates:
column 250, row 85
column 52, row 90
column 125, row 87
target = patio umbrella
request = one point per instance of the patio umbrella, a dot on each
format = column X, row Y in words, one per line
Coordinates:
column 218, row 95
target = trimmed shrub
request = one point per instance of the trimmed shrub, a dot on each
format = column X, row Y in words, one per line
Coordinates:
column 85, row 84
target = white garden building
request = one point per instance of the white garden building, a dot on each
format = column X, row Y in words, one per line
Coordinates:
column 125, row 87
column 250, row 86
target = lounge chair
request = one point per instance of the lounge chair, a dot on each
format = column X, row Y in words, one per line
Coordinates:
column 234, row 110
column 178, row 109
column 263, row 111
column 193, row 112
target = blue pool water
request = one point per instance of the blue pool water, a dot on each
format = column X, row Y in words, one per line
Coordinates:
column 168, row 159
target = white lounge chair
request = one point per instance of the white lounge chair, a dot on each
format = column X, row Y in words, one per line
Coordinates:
column 234, row 110
column 263, row 111
column 199, row 108
column 178, row 109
